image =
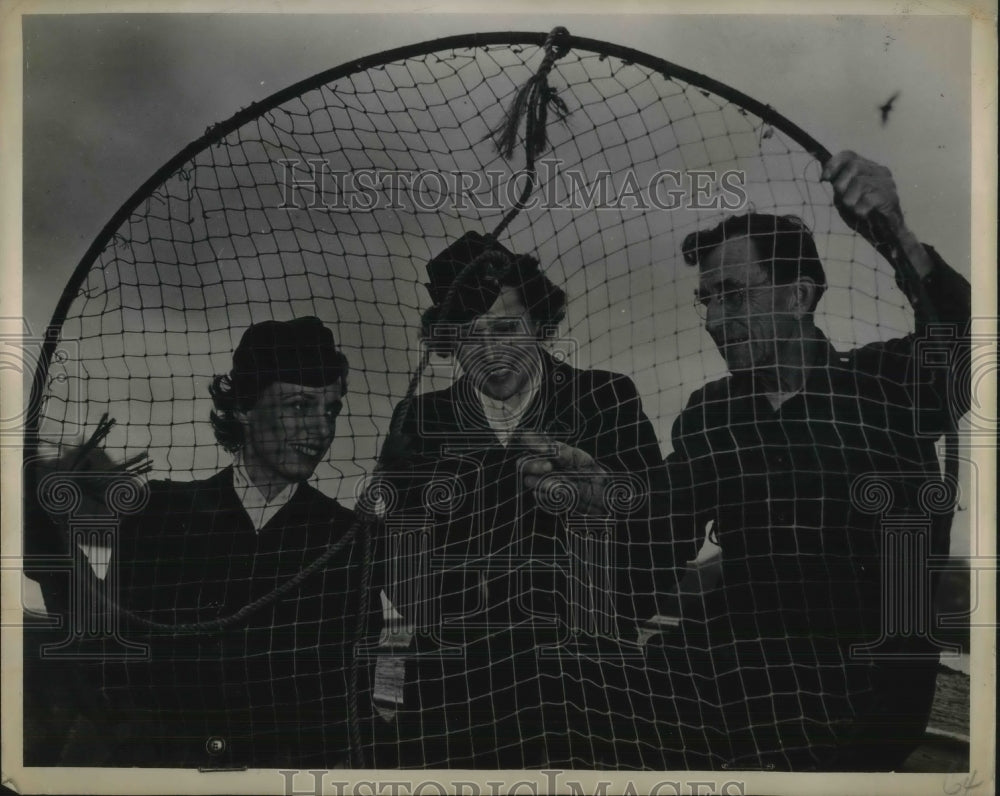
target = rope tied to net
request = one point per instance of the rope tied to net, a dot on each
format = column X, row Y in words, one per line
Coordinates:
column 532, row 101
column 368, row 520
column 531, row 104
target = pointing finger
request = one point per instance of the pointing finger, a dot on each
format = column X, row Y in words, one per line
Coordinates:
column 572, row 458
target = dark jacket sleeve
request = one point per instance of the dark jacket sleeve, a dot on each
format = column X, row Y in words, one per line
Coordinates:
column 408, row 463
column 648, row 557
column 945, row 330
column 689, row 506
column 933, row 364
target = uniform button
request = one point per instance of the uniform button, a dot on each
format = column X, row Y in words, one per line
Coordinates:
column 215, row 745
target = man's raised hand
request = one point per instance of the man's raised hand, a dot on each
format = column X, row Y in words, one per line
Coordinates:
column 865, row 195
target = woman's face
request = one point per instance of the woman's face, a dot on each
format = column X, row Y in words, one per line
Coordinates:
column 499, row 353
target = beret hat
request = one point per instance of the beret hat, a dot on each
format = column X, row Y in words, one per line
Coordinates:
column 300, row 351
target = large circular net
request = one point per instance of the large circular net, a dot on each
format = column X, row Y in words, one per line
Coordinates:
column 329, row 199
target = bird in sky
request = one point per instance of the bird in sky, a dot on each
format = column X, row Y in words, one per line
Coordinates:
column 887, row 107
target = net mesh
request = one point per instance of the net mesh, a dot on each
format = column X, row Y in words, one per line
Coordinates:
column 330, row 203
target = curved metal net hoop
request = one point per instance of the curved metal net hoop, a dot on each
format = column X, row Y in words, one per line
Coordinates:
column 317, row 206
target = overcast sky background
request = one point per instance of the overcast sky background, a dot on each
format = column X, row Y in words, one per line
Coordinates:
column 109, row 98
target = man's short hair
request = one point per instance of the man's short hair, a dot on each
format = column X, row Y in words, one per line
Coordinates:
column 474, row 269
column 300, row 351
column 784, row 244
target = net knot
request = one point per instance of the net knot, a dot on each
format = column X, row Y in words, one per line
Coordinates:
column 557, row 43
column 532, row 103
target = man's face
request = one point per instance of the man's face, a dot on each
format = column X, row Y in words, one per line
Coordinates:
column 289, row 431
column 500, row 352
column 744, row 313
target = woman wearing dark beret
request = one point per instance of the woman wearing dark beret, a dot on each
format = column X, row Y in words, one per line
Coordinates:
column 268, row 691
column 529, row 488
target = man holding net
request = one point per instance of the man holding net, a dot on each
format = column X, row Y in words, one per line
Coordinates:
column 239, row 674
column 781, row 460
column 522, row 573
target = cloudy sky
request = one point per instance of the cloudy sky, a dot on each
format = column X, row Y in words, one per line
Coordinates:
column 109, row 98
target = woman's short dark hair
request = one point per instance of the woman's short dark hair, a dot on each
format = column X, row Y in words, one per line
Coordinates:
column 229, row 432
column 543, row 299
column 784, row 243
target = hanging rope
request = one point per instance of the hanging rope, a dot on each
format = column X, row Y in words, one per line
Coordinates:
column 532, row 103
column 533, row 100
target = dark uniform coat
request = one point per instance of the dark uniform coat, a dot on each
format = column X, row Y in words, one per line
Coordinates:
column 524, row 613
column 269, row 691
column 818, row 506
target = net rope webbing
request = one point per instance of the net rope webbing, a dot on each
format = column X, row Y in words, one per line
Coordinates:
column 286, row 212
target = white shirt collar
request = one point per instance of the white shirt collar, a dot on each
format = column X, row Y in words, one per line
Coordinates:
column 259, row 509
column 504, row 416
